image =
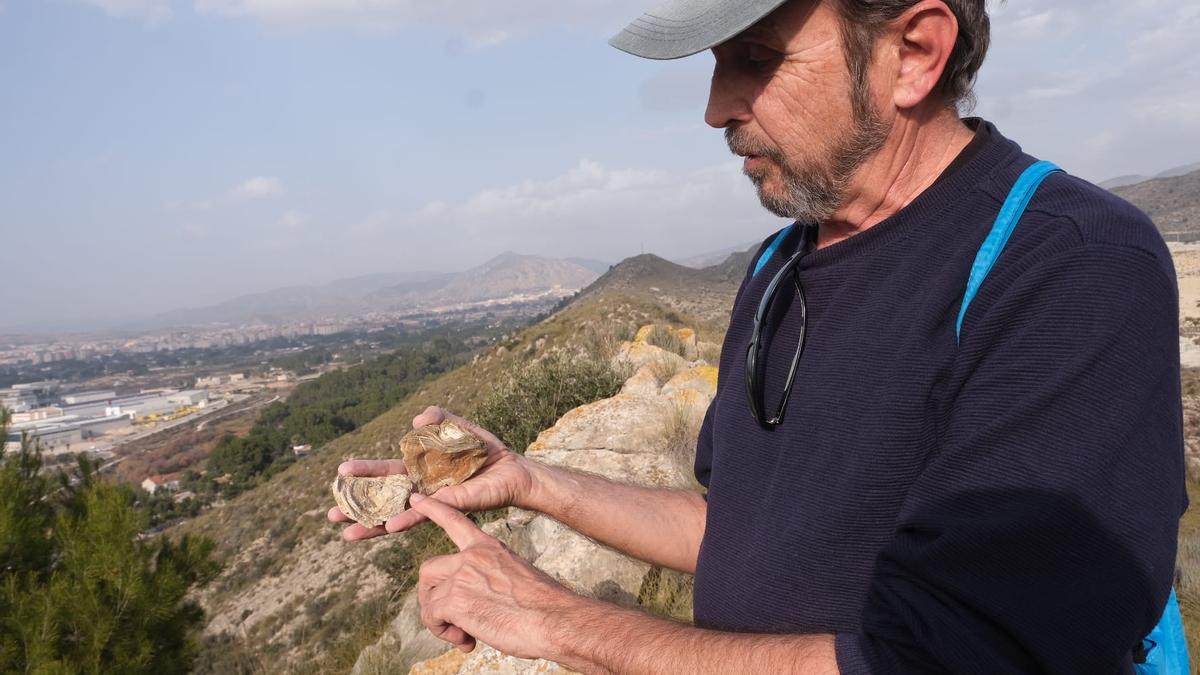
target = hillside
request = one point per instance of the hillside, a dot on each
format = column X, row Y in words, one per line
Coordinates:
column 292, row 592
column 507, row 276
column 1172, row 202
column 702, row 293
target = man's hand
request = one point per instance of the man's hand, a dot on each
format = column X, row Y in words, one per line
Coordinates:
column 486, row 591
column 504, row 480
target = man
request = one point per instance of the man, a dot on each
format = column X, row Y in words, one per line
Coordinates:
column 994, row 494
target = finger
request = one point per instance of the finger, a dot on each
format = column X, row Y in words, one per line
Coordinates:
column 335, row 515
column 404, row 521
column 435, row 415
column 486, row 436
column 431, row 415
column 357, row 532
column 371, row 467
column 432, row 617
column 461, row 530
column 437, row 569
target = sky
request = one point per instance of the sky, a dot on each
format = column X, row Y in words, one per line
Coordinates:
column 158, row 154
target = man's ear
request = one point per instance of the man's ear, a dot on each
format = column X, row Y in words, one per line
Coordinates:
column 923, row 38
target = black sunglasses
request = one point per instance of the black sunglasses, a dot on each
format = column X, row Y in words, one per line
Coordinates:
column 754, row 386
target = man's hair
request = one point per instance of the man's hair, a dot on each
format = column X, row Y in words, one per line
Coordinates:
column 864, row 20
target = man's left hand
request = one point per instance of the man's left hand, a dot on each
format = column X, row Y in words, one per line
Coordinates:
column 486, row 591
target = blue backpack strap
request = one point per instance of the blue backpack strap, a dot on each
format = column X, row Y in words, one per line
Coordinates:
column 766, row 255
column 1014, row 207
column 1165, row 648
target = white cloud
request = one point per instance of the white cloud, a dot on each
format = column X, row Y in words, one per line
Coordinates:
column 256, row 188
column 589, row 210
column 150, row 11
column 293, row 220
column 1105, row 87
column 249, row 190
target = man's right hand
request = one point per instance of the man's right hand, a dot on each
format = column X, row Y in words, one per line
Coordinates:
column 504, row 480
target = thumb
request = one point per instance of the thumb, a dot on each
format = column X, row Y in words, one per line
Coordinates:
column 431, row 415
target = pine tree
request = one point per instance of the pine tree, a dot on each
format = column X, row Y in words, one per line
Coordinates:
column 80, row 590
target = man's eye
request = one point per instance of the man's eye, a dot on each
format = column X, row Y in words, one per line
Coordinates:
column 761, row 58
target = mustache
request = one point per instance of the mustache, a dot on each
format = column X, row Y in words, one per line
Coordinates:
column 742, row 143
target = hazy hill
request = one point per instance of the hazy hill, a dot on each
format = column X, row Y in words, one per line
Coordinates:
column 504, row 276
column 508, row 274
column 711, row 258
column 1133, row 179
column 292, row 592
column 1173, row 202
column 704, row 293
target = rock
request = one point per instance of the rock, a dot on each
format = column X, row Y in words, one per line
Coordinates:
column 487, row 660
column 701, row 379
column 446, row 664
column 621, row 424
column 405, row 642
column 438, row 455
column 637, row 354
column 372, row 501
column 584, row 565
column 643, row 382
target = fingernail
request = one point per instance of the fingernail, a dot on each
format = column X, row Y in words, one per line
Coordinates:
column 415, row 497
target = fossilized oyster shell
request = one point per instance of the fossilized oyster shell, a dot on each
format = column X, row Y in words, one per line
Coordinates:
column 443, row 454
column 372, row 501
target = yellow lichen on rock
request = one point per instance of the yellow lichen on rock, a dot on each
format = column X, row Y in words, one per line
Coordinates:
column 446, row 664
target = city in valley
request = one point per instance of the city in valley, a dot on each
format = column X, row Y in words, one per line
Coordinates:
column 150, row 407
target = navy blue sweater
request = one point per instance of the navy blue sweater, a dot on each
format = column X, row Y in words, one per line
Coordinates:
column 1007, row 504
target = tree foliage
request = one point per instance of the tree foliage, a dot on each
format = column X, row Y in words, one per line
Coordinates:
column 80, row 590
column 319, row 411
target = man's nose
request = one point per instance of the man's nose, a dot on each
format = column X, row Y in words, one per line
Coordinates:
column 726, row 102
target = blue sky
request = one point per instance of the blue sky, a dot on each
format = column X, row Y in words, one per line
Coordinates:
column 162, row 153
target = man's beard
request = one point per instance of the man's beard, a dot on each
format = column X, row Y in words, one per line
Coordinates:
column 815, row 190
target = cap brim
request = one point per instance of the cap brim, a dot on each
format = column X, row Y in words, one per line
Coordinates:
column 678, row 28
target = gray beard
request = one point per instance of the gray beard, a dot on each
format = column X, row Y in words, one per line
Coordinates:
column 812, row 194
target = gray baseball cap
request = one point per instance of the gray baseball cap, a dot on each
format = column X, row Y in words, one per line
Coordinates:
column 678, row 28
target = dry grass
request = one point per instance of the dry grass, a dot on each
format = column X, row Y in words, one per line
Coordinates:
column 709, row 352
column 664, row 368
column 666, row 339
column 1188, row 571
column 667, row 593
column 680, row 429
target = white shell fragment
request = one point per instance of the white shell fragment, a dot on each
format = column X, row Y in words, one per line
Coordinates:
column 372, row 501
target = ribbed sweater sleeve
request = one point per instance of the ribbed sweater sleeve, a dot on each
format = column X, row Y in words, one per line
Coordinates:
column 1040, row 538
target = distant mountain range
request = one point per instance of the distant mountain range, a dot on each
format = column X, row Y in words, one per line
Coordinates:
column 508, row 275
column 1171, row 201
column 713, row 257
column 1132, row 179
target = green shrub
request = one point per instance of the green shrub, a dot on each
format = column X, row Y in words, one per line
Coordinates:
column 532, row 396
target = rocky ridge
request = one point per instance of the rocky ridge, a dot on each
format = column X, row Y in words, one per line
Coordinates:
column 645, row 435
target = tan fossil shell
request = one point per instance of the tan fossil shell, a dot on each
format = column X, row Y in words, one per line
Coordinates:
column 443, row 454
column 372, row 501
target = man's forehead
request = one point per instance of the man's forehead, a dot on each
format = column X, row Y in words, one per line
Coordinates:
column 778, row 27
